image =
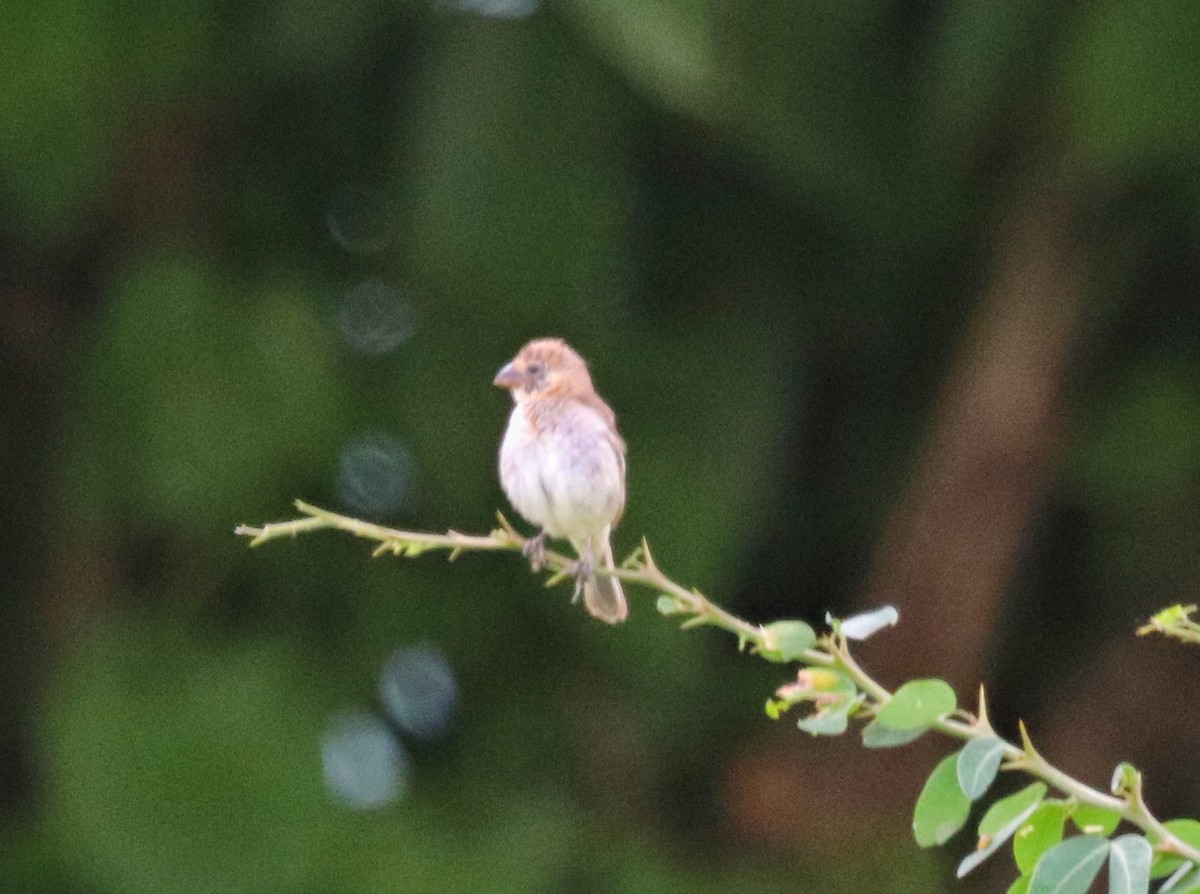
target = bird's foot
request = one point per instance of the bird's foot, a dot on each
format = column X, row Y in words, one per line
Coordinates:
column 583, row 571
column 535, row 551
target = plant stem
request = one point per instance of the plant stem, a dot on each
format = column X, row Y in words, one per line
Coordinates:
column 832, row 651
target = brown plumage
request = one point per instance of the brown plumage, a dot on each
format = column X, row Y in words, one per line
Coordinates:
column 562, row 464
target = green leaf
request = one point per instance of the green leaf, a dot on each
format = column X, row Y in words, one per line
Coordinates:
column 668, row 605
column 1125, row 779
column 942, row 807
column 1070, row 867
column 1005, row 810
column 978, row 764
column 1093, row 820
column 786, row 641
column 1171, row 616
column 918, row 705
column 1187, row 830
column 831, row 721
column 1186, row 880
column 1042, row 831
column 878, row 735
column 1129, row 865
column 1127, row 69
column 988, row 845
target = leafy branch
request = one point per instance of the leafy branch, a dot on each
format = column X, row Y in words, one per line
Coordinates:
column 1176, row 622
column 831, row 689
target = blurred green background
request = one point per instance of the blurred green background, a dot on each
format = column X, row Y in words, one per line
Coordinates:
column 896, row 302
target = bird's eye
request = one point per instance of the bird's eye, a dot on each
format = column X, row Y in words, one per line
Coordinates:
column 534, row 369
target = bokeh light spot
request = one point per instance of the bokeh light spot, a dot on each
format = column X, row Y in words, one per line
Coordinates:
column 497, row 9
column 375, row 317
column 375, row 474
column 365, row 766
column 419, row 691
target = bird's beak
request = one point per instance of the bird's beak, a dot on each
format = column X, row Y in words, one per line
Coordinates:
column 508, row 377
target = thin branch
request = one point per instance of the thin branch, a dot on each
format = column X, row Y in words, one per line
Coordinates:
column 831, row 651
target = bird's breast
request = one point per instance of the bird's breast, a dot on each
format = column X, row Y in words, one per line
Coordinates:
column 563, row 470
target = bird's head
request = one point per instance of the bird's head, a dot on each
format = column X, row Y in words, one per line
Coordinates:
column 545, row 365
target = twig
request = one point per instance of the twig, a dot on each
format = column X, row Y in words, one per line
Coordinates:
column 1175, row 621
column 831, row 651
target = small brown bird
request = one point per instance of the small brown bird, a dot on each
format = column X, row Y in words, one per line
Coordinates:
column 562, row 465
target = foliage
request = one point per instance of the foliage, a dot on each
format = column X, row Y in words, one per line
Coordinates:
column 255, row 250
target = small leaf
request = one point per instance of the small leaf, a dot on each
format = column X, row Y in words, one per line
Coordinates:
column 1174, row 614
column 1124, row 779
column 862, row 626
column 918, row 705
column 1185, row 880
column 830, row 721
column 942, row 807
column 978, row 764
column 877, row 735
column 1187, row 830
column 1167, row 618
column 1042, row 831
column 1129, row 865
column 995, row 842
column 1005, row 810
column 668, row 605
column 786, row 641
column 1093, row 820
column 1070, row 867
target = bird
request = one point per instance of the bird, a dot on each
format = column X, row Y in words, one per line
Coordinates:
column 562, row 466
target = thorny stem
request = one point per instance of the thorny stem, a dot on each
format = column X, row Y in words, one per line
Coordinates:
column 1139, row 814
column 831, row 651
column 1026, row 758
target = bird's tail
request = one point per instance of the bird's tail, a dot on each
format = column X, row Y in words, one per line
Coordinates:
column 602, row 593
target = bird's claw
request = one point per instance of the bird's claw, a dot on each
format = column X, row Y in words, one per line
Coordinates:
column 582, row 570
column 535, row 551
